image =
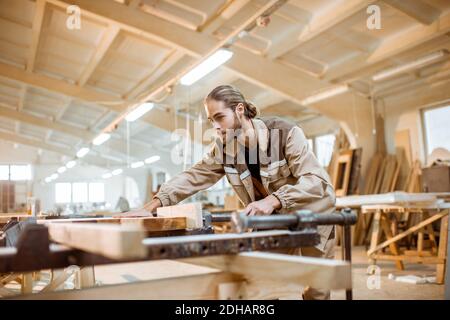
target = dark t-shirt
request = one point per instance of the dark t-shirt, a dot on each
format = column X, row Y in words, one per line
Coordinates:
column 254, row 169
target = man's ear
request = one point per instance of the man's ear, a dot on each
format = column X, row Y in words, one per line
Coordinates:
column 240, row 109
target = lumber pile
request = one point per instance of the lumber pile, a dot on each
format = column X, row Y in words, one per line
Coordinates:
column 388, row 172
column 382, row 174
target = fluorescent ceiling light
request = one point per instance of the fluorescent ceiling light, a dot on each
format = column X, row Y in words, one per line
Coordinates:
column 137, row 164
column 62, row 170
column 117, row 172
column 82, row 152
column 101, row 138
column 152, row 159
column 48, row 179
column 71, row 164
column 325, row 95
column 107, row 175
column 139, row 111
column 421, row 62
column 211, row 63
column 54, row 176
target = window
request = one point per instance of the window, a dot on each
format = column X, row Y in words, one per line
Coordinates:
column 96, row 192
column 4, row 172
column 63, row 192
column 20, row 172
column 324, row 148
column 436, row 123
column 311, row 144
column 15, row 172
column 80, row 192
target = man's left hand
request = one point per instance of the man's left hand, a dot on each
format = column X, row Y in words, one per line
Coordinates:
column 263, row 207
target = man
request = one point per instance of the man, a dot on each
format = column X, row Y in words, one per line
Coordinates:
column 267, row 161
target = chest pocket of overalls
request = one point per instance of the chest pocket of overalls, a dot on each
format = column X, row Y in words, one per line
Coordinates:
column 278, row 173
column 233, row 177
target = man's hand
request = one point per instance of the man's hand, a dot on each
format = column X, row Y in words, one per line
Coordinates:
column 146, row 211
column 263, row 207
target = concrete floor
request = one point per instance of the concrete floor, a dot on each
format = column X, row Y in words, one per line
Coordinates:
column 389, row 289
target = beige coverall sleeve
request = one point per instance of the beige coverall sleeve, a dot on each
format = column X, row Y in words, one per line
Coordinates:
column 201, row 176
column 313, row 190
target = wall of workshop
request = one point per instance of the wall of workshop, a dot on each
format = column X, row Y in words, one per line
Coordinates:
column 403, row 111
column 353, row 112
column 47, row 163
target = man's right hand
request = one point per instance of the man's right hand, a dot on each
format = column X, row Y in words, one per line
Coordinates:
column 146, row 211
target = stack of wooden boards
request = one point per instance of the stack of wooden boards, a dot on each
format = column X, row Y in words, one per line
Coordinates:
column 387, row 173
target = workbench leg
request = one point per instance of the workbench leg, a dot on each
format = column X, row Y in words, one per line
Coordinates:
column 375, row 234
column 447, row 267
column 85, row 277
column 430, row 231
column 27, row 283
column 346, row 245
column 393, row 246
column 442, row 251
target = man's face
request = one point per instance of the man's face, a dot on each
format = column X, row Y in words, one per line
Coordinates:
column 224, row 120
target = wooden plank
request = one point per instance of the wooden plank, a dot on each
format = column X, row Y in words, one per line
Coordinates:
column 386, row 178
column 380, row 175
column 403, row 141
column 442, row 250
column 398, row 197
column 157, row 223
column 371, row 174
column 410, row 259
column 308, row 271
column 147, row 223
column 380, row 134
column 192, row 212
column 395, row 177
column 110, row 240
column 4, row 218
column 353, row 186
column 194, row 287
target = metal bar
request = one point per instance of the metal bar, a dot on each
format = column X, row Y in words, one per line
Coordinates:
column 347, row 250
column 221, row 217
column 302, row 219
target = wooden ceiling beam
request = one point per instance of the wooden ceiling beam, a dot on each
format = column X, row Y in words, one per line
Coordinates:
column 110, row 34
column 320, row 23
column 400, row 43
column 7, row 112
column 35, row 34
column 267, row 73
column 418, row 10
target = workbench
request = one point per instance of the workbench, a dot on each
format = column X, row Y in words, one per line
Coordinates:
column 419, row 219
column 202, row 266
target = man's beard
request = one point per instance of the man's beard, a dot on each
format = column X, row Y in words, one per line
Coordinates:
column 235, row 132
